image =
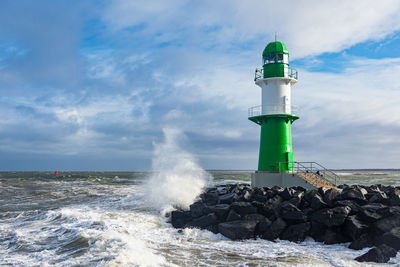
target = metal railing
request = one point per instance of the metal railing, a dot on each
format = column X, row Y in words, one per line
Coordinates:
column 269, row 110
column 259, row 73
column 310, row 167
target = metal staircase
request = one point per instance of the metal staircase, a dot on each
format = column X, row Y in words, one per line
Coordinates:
column 313, row 173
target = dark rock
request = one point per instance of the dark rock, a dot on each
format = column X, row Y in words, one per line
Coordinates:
column 310, row 194
column 226, row 199
column 392, row 239
column 203, row 221
column 295, row 201
column 381, row 254
column 212, row 228
column 353, row 227
column 197, row 209
column 260, row 198
column 394, row 197
column 222, row 190
column 248, row 195
column 269, row 212
column 277, row 189
column 364, row 241
column 317, row 231
column 334, row 236
column 257, row 204
column 291, row 213
column 330, row 195
column 308, row 211
column 356, row 194
column 390, row 211
column 210, row 198
column 379, row 197
column 355, row 208
column 233, row 216
column 274, row 201
column 386, row 224
column 371, row 212
column 331, row 217
column 287, row 193
column 262, row 227
column 180, row 218
column 318, row 203
column 274, row 230
column 243, row 208
column 237, row 230
column 255, row 217
column 296, row 232
column 221, row 210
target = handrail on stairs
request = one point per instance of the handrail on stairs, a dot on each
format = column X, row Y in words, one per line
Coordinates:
column 310, row 167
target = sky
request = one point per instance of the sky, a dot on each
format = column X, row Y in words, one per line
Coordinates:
column 90, row 85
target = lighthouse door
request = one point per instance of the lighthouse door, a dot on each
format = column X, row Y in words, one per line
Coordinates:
column 286, row 104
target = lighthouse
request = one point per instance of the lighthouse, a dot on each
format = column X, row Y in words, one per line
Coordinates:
column 276, row 115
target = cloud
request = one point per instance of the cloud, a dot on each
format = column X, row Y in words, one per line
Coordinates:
column 308, row 27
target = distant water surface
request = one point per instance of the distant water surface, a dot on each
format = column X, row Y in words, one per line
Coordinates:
column 104, row 219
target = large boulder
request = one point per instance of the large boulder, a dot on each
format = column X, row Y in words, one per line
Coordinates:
column 353, row 227
column 227, row 198
column 386, row 224
column 211, row 197
column 296, row 232
column 394, row 197
column 255, row 217
column 287, row 193
column 233, row 216
column 237, row 230
column 274, row 201
column 334, row 236
column 275, row 229
column 331, row 217
column 262, row 227
column 379, row 197
column 318, row 203
column 291, row 213
column 391, row 238
column 269, row 212
column 355, row 193
column 180, row 218
column 371, row 212
column 330, row 195
column 243, row 208
column 317, row 231
column 203, row 221
column 364, row 241
column 355, row 208
column 390, row 211
column 221, row 210
column 197, row 209
column 310, row 194
column 381, row 254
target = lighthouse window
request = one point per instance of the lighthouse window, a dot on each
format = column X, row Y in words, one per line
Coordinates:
column 285, row 58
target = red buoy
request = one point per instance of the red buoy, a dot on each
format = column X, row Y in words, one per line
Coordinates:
column 55, row 174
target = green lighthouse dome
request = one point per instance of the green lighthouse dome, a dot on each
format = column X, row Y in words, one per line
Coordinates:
column 275, row 60
column 275, row 48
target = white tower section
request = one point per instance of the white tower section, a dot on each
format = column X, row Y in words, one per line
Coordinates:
column 276, row 95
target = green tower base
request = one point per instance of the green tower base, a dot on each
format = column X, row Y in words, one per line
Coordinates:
column 275, row 142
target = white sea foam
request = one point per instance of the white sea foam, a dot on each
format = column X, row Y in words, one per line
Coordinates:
column 177, row 178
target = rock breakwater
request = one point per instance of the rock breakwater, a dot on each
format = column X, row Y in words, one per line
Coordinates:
column 364, row 216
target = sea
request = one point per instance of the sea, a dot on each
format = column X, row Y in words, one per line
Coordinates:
column 119, row 219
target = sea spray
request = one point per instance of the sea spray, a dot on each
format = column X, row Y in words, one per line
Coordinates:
column 177, row 179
